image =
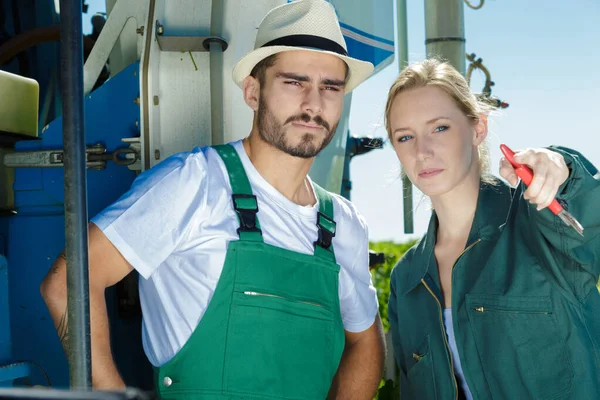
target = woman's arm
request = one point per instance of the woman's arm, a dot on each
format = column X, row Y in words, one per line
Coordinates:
column 567, row 175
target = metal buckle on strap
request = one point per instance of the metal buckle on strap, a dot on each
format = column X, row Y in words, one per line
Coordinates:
column 326, row 231
column 246, row 207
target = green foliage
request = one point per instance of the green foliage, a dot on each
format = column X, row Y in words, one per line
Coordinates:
column 381, row 273
column 388, row 390
column 381, row 280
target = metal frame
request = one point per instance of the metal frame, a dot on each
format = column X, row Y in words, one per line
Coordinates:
column 120, row 15
column 445, row 31
column 402, row 39
column 71, row 50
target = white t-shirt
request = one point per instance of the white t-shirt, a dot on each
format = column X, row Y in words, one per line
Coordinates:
column 454, row 351
column 173, row 227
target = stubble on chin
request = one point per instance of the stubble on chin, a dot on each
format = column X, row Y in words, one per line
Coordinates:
column 272, row 131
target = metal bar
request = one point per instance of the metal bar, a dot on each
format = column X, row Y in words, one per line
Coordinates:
column 146, row 96
column 216, row 92
column 402, row 34
column 76, row 234
column 407, row 192
column 445, row 31
column 216, row 49
column 96, row 158
column 346, row 186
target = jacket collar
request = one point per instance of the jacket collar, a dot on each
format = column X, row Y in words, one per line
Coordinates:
column 493, row 207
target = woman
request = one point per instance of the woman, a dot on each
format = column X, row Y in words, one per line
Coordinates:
column 499, row 298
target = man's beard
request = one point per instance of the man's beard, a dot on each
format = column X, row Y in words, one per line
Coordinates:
column 271, row 131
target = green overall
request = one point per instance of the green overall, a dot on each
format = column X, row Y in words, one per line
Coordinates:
column 273, row 328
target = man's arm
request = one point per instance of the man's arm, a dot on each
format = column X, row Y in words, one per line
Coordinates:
column 361, row 367
column 106, row 267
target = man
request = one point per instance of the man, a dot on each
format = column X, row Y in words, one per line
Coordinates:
column 255, row 281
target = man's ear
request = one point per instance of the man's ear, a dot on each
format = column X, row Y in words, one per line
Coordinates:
column 481, row 130
column 251, row 92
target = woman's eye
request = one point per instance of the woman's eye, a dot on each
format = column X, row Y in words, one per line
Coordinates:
column 441, row 128
column 404, row 138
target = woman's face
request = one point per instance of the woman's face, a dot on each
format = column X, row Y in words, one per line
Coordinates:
column 435, row 141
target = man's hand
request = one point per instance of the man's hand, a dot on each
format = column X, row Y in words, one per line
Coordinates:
column 549, row 172
column 361, row 367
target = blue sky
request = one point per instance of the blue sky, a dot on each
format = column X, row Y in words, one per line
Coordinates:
column 542, row 56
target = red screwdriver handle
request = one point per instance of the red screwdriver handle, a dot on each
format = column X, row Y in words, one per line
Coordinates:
column 526, row 175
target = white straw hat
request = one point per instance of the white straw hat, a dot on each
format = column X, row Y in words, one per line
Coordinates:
column 310, row 25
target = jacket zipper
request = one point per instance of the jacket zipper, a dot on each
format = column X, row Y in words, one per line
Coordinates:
column 249, row 293
column 483, row 309
column 445, row 340
column 442, row 321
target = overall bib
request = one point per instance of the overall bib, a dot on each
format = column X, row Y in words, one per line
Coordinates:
column 273, row 328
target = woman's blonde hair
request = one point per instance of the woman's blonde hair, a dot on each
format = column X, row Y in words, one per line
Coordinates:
column 433, row 72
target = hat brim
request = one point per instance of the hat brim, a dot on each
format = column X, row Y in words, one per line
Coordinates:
column 358, row 70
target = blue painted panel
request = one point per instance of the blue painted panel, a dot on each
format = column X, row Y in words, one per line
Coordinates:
column 110, row 114
column 367, row 34
column 34, row 243
column 5, row 343
column 10, row 372
column 362, row 51
column 368, row 28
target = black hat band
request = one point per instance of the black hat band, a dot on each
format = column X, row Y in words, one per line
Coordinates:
column 316, row 42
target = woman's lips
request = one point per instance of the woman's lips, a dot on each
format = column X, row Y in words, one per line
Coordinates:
column 430, row 172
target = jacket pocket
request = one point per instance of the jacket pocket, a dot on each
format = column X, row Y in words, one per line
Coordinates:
column 420, row 374
column 521, row 351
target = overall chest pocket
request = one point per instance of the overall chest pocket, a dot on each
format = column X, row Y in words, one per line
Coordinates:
column 522, row 353
column 420, row 373
column 279, row 346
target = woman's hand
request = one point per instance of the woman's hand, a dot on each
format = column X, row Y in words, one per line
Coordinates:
column 549, row 172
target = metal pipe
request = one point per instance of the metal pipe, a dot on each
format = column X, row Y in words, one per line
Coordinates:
column 216, row 92
column 76, row 234
column 145, row 84
column 402, row 35
column 25, row 40
column 445, row 31
column 216, row 74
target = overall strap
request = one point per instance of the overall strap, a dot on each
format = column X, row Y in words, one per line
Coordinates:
column 244, row 202
column 325, row 224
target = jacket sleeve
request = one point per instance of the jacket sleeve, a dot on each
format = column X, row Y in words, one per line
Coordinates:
column 405, row 390
column 580, row 196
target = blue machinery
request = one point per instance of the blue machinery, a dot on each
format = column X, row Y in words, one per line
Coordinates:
column 35, row 235
column 32, row 230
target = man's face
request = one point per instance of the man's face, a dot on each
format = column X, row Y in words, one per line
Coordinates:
column 301, row 101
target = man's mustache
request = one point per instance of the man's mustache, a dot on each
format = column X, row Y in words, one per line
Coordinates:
column 306, row 119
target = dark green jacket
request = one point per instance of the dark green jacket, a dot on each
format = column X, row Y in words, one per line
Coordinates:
column 525, row 305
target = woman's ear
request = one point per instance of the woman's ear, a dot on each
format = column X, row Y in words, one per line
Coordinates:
column 251, row 92
column 481, row 130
